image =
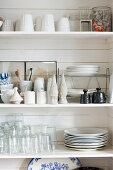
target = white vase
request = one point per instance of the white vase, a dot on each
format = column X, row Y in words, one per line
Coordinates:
column 16, row 98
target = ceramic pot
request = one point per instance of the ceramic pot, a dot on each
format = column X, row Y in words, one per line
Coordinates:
column 16, row 98
column 85, row 98
column 98, row 97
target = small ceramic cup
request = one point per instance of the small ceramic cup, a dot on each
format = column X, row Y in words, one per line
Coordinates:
column 41, row 97
column 29, row 97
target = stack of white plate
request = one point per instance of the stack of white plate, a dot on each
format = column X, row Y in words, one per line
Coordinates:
column 82, row 70
column 78, row 92
column 85, row 138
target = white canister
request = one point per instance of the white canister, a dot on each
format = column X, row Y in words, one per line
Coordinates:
column 48, row 23
column 41, row 97
column 29, row 97
column 39, row 84
column 26, row 23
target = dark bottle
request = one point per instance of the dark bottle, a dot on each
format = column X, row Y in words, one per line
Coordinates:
column 85, row 98
column 98, row 97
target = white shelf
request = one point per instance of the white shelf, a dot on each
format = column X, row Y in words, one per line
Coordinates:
column 57, row 35
column 63, row 152
column 75, row 105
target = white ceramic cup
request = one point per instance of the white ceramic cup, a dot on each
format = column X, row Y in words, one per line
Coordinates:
column 63, row 25
column 25, row 86
column 29, row 97
column 38, row 23
column 41, row 97
column 26, row 23
column 48, row 23
column 39, row 84
column 8, row 25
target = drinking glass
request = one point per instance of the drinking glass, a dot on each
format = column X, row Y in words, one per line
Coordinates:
column 1, row 144
column 44, row 142
column 52, row 133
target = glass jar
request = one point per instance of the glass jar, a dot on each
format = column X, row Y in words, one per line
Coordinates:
column 74, row 21
column 102, row 19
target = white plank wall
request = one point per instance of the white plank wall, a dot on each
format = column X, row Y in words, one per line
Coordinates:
column 65, row 52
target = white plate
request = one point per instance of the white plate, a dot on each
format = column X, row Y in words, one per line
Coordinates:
column 79, row 149
column 86, row 144
column 78, row 92
column 85, row 147
column 86, row 132
column 97, row 137
column 83, row 66
column 80, row 74
column 56, row 164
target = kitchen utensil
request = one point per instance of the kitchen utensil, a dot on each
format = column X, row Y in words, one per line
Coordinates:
column 26, row 23
column 63, row 25
column 29, row 97
column 85, row 98
column 41, row 97
column 8, row 25
column 31, row 70
column 98, row 97
column 48, row 23
column 57, row 163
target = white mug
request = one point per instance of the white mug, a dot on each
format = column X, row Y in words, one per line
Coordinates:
column 25, row 86
column 26, row 23
column 63, row 25
column 8, row 25
column 38, row 23
column 41, row 97
column 48, row 23
column 39, row 84
column 29, row 97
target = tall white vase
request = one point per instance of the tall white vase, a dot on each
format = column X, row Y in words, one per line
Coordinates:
column 62, row 90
